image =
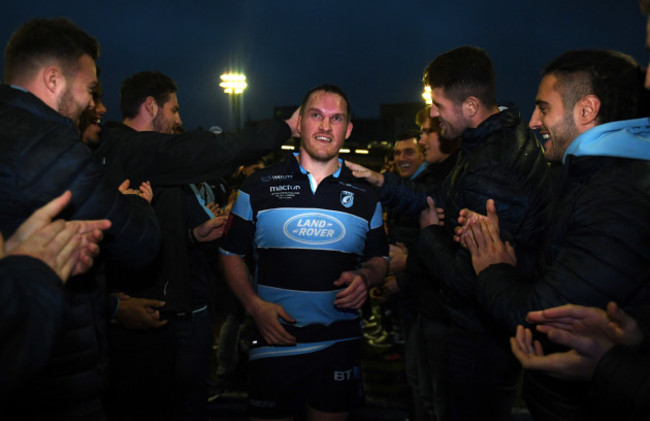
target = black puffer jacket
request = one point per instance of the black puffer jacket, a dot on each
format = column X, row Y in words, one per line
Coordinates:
column 41, row 156
column 620, row 386
column 599, row 251
column 501, row 160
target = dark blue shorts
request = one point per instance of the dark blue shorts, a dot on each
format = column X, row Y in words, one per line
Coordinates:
column 328, row 380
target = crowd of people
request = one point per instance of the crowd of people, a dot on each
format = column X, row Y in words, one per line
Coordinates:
column 505, row 244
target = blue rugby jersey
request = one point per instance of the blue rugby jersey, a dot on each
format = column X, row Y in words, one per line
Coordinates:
column 302, row 241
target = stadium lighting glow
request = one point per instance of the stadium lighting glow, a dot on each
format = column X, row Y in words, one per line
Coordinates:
column 427, row 94
column 233, row 83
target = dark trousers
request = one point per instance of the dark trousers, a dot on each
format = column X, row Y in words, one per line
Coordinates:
column 482, row 376
column 193, row 347
column 430, row 342
column 160, row 373
column 141, row 366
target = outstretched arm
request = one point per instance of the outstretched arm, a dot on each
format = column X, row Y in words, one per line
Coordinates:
column 372, row 177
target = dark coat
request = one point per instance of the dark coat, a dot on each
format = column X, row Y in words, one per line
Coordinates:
column 170, row 162
column 620, row 386
column 501, row 160
column 32, row 310
column 41, row 156
column 416, row 281
column 598, row 251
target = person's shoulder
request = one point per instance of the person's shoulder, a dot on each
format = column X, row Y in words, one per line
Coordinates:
column 629, row 177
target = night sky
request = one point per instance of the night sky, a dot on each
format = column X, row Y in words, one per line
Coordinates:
column 374, row 49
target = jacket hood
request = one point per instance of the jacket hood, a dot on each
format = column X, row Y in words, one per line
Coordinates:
column 620, row 139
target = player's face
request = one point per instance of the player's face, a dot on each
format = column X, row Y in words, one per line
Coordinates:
column 324, row 126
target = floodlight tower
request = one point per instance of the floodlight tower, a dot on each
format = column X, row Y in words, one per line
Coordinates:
column 234, row 84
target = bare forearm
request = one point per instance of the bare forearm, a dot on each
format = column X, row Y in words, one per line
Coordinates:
column 238, row 279
column 374, row 271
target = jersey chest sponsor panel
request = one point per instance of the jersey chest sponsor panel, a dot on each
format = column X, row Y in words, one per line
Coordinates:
column 311, row 229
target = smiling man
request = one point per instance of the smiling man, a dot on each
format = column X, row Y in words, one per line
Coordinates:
column 90, row 119
column 50, row 74
column 587, row 109
column 163, row 369
column 499, row 156
column 317, row 235
column 409, row 159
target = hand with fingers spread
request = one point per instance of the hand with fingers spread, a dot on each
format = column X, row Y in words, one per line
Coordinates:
column 613, row 323
column 144, row 191
column 589, row 331
column 466, row 215
column 483, row 242
column 569, row 364
column 374, row 178
column 267, row 317
column 432, row 215
column 68, row 248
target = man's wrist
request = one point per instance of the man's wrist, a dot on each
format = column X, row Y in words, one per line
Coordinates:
column 192, row 236
column 364, row 274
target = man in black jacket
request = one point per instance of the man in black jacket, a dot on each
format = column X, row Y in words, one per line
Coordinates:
column 499, row 156
column 598, row 245
column 35, row 264
column 162, row 372
column 49, row 74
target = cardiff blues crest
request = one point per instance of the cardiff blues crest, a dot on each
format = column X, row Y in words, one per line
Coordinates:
column 347, row 198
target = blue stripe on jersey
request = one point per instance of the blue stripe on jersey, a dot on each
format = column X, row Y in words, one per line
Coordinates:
column 309, row 228
column 242, row 206
column 377, row 218
column 307, row 307
column 281, row 351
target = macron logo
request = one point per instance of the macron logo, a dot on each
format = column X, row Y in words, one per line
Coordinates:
column 273, row 189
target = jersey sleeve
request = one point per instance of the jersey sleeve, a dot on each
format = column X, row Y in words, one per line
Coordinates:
column 376, row 244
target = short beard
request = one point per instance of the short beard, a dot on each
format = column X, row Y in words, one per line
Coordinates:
column 562, row 137
column 158, row 123
column 66, row 106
